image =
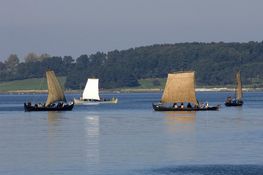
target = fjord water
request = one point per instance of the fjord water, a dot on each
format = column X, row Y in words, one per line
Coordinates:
column 131, row 138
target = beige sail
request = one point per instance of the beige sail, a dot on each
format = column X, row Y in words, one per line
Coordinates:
column 239, row 93
column 55, row 92
column 180, row 87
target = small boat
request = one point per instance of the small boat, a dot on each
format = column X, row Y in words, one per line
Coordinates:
column 90, row 95
column 238, row 99
column 179, row 90
column 56, row 100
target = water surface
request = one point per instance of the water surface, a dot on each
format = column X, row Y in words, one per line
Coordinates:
column 131, row 138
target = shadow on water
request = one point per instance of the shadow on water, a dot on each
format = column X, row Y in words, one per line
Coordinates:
column 209, row 170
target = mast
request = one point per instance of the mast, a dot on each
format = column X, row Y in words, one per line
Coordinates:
column 180, row 87
column 55, row 91
column 239, row 93
column 91, row 90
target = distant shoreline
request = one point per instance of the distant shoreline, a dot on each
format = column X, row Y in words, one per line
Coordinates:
column 129, row 90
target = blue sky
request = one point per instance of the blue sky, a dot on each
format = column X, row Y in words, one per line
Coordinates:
column 75, row 27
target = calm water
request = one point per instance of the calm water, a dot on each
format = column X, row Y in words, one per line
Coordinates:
column 130, row 138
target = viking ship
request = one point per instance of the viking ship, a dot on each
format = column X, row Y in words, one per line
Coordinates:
column 90, row 95
column 56, row 100
column 180, row 90
column 238, row 99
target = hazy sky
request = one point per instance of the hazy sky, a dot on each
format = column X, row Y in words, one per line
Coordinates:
column 75, row 27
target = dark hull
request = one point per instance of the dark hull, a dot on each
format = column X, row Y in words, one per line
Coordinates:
column 28, row 108
column 159, row 107
column 229, row 104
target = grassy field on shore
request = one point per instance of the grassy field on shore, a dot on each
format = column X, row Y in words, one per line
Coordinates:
column 27, row 84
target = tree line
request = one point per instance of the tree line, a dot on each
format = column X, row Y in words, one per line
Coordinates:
column 214, row 64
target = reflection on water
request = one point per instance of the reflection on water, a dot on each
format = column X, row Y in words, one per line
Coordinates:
column 180, row 121
column 92, row 132
column 53, row 117
column 81, row 141
column 181, row 128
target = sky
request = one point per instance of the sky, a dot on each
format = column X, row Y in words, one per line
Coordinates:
column 76, row 27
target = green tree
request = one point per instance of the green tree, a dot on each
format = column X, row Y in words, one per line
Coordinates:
column 12, row 62
column 31, row 57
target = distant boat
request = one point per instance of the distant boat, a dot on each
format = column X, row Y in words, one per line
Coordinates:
column 238, row 99
column 90, row 95
column 56, row 100
column 179, row 91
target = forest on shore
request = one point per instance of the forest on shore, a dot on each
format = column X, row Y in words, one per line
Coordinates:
column 214, row 63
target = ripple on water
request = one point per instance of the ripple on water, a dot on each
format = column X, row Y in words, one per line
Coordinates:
column 209, row 170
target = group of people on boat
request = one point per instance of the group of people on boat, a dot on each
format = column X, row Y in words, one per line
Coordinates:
column 229, row 99
column 190, row 106
column 233, row 101
column 58, row 105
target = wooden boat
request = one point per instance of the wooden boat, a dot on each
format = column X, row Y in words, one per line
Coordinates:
column 90, row 95
column 56, row 100
column 161, row 107
column 238, row 99
column 180, row 89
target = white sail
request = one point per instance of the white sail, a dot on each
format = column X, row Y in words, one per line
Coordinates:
column 91, row 91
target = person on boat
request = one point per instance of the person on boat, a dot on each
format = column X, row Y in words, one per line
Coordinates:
column 206, row 105
column 197, row 105
column 51, row 105
column 229, row 99
column 202, row 105
column 182, row 105
column 59, row 105
column 175, row 105
column 39, row 105
column 189, row 105
column 29, row 104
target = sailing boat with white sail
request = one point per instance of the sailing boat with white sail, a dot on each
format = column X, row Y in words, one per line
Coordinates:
column 180, row 90
column 56, row 100
column 238, row 100
column 90, row 95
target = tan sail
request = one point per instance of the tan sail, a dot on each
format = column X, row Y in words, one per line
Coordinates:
column 55, row 92
column 180, row 87
column 239, row 93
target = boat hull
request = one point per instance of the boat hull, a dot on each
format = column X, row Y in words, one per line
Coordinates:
column 238, row 103
column 160, row 107
column 87, row 102
column 29, row 108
